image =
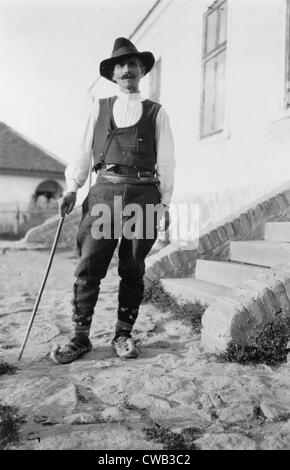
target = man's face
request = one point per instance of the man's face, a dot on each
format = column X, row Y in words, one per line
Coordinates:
column 128, row 72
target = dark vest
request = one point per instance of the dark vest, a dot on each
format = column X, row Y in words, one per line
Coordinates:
column 134, row 146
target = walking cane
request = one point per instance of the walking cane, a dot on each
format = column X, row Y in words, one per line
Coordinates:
column 42, row 285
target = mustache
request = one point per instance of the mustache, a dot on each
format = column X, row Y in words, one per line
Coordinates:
column 127, row 75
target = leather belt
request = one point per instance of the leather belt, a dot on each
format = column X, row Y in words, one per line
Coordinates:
column 127, row 170
column 128, row 178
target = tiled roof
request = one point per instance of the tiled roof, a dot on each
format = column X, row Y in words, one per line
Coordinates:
column 17, row 153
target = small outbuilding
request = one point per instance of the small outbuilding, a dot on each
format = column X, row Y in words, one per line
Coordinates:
column 31, row 181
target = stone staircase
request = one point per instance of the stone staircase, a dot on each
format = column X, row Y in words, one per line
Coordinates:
column 247, row 260
column 222, row 281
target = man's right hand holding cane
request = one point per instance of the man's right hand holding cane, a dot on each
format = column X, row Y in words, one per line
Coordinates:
column 66, row 203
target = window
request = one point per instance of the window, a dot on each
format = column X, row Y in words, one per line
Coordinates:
column 155, row 81
column 213, row 65
column 287, row 75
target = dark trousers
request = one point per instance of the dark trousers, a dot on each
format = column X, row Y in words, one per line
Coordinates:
column 106, row 211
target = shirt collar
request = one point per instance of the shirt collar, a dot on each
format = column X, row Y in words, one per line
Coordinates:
column 129, row 97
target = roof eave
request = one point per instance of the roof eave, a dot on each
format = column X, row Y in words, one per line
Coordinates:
column 32, row 173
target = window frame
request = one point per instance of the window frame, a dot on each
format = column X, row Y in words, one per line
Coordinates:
column 287, row 59
column 218, row 49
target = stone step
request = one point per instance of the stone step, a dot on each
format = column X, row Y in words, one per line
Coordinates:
column 277, row 231
column 260, row 252
column 191, row 289
column 226, row 273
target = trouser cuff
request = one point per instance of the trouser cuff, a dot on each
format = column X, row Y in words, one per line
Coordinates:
column 81, row 332
column 128, row 314
column 123, row 329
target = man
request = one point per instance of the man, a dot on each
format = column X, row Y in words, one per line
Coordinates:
column 132, row 146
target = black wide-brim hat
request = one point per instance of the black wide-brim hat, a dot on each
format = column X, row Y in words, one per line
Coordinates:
column 123, row 48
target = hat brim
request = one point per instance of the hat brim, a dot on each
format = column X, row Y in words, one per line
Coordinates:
column 107, row 65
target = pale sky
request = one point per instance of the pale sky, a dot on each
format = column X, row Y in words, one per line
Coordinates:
column 49, row 56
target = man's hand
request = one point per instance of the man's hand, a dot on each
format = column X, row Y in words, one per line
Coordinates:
column 165, row 218
column 66, row 203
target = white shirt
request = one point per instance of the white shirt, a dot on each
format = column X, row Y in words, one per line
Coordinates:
column 127, row 111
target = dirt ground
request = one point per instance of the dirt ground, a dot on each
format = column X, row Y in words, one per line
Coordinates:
column 103, row 402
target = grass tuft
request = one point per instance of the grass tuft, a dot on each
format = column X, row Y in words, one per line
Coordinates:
column 9, row 425
column 6, row 368
column 169, row 439
column 270, row 347
column 187, row 312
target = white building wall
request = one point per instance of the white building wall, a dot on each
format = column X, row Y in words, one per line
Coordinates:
column 16, row 193
column 18, row 190
column 252, row 155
